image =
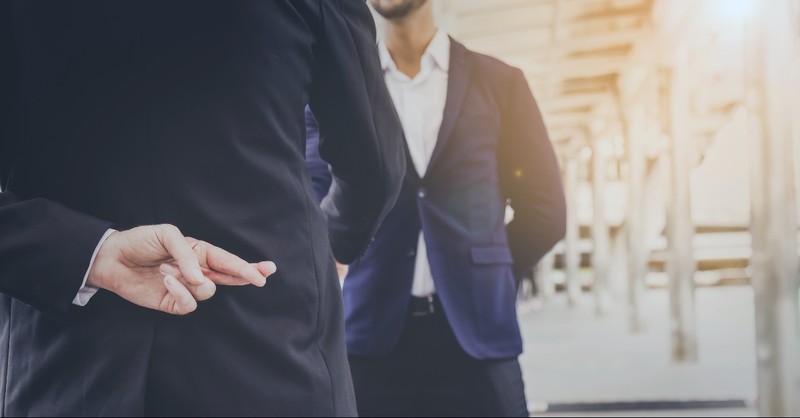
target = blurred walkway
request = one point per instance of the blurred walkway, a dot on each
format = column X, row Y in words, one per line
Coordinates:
column 572, row 357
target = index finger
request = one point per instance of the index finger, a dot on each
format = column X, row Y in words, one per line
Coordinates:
column 219, row 260
column 173, row 240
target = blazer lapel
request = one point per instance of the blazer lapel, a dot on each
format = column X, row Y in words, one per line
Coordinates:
column 457, row 84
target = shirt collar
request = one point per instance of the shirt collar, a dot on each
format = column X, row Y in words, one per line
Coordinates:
column 438, row 49
column 387, row 62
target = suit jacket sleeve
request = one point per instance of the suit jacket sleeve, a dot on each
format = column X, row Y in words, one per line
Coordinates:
column 530, row 178
column 320, row 173
column 45, row 248
column 362, row 136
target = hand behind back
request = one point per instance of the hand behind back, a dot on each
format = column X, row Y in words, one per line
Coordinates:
column 156, row 267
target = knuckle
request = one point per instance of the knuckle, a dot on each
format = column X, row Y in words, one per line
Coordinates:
column 170, row 229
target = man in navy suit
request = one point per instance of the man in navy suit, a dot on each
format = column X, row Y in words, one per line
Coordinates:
column 430, row 316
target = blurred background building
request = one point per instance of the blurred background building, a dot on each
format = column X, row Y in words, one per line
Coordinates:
column 677, row 124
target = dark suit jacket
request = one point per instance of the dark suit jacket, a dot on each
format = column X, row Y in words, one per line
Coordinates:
column 139, row 112
column 492, row 149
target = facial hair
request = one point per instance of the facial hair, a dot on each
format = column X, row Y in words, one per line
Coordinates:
column 398, row 11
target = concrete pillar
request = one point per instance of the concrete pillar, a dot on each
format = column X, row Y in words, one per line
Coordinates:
column 544, row 277
column 601, row 256
column 572, row 254
column 634, row 223
column 680, row 229
column 773, row 223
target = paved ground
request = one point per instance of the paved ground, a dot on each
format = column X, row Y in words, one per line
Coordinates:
column 681, row 413
column 572, row 356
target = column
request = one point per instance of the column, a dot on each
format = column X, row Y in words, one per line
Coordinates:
column 544, row 277
column 572, row 254
column 601, row 256
column 773, row 223
column 634, row 224
column 680, row 229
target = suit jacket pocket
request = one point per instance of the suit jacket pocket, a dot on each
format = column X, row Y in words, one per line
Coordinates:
column 494, row 254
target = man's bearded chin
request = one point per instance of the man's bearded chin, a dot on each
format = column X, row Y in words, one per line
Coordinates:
column 398, row 10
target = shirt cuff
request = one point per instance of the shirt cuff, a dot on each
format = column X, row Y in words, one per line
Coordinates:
column 86, row 292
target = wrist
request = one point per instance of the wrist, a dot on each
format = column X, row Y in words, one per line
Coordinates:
column 99, row 272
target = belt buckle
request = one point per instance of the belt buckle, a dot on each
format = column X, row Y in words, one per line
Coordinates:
column 430, row 309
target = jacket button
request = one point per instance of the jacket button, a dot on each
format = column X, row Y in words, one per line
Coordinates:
column 421, row 193
column 411, row 253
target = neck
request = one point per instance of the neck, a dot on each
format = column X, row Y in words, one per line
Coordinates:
column 408, row 37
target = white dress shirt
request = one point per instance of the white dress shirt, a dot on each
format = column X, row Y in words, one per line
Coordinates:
column 86, row 292
column 420, row 104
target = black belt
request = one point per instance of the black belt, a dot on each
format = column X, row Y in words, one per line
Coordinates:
column 425, row 306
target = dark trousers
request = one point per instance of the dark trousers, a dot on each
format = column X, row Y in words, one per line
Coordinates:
column 429, row 374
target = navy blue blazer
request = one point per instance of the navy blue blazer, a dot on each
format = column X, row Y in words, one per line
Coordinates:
column 318, row 169
column 492, row 150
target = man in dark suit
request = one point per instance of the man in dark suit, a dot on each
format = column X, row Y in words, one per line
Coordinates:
column 430, row 316
column 171, row 120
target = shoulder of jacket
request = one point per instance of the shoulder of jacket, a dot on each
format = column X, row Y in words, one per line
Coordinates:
column 490, row 63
